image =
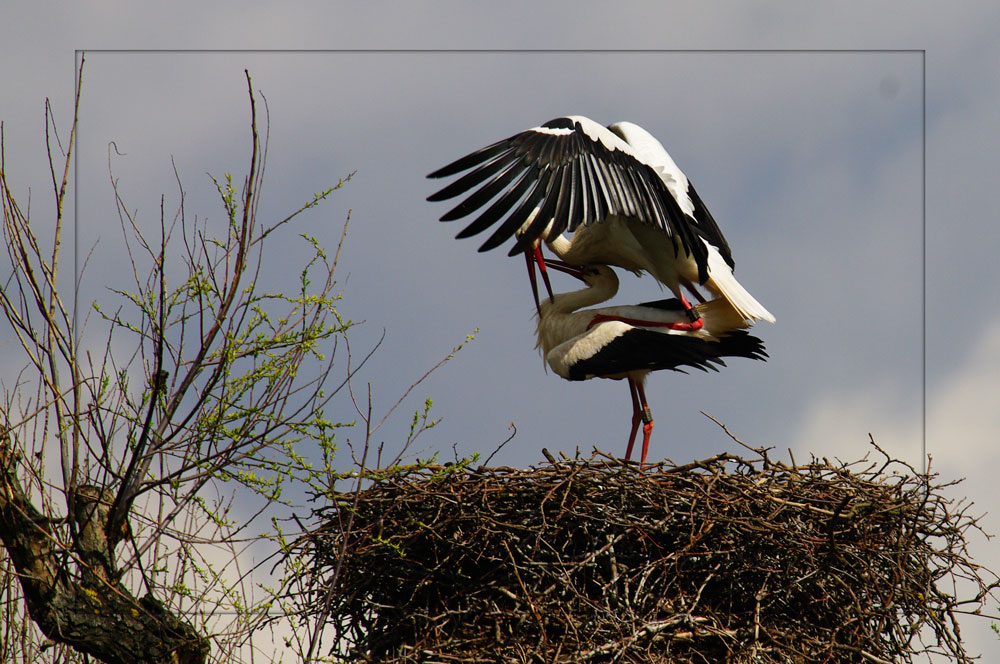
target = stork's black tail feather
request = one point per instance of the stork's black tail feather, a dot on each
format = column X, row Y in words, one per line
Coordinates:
column 643, row 349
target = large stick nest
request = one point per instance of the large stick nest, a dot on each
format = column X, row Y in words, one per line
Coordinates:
column 595, row 560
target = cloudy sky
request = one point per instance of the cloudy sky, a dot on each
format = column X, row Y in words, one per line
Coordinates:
column 847, row 156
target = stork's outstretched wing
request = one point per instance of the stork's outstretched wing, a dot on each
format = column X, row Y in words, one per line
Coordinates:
column 573, row 171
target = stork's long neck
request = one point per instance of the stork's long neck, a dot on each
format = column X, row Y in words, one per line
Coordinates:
column 557, row 321
column 560, row 246
column 602, row 287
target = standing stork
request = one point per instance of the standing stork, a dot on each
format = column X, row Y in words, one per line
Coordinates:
column 620, row 192
column 631, row 341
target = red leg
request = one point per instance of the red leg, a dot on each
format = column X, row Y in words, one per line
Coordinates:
column 696, row 322
column 694, row 291
column 601, row 318
column 636, row 416
column 647, row 422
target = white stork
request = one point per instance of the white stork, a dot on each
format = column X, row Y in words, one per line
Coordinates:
column 617, row 189
column 630, row 341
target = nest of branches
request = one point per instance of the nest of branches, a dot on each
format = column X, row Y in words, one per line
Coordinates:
column 597, row 560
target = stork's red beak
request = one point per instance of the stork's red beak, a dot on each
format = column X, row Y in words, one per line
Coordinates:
column 532, row 258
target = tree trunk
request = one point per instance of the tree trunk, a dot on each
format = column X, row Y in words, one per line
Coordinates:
column 88, row 610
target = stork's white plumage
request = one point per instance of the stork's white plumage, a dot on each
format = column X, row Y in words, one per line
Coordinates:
column 620, row 192
column 631, row 341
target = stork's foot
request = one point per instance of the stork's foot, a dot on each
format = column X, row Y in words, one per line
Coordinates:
column 696, row 322
column 689, row 327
